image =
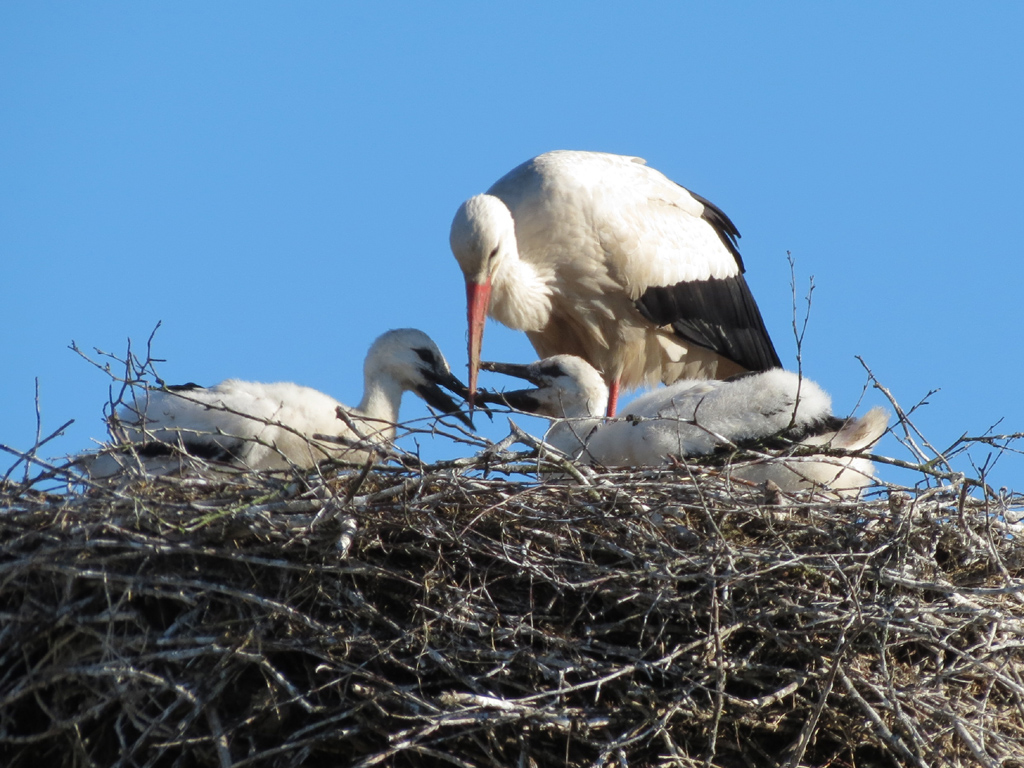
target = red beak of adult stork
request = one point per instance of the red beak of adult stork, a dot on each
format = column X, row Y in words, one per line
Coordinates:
column 478, row 299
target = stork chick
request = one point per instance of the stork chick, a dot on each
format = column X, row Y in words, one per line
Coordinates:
column 250, row 425
column 696, row 418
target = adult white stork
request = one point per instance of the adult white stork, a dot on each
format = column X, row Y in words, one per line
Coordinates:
column 249, row 425
column 700, row 417
column 600, row 256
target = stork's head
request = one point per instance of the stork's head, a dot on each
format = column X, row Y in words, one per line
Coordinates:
column 411, row 359
column 482, row 236
column 567, row 387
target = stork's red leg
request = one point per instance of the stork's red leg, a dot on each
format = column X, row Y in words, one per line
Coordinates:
column 613, row 398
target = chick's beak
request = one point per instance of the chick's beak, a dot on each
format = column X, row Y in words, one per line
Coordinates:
column 437, row 398
column 513, row 369
column 519, row 399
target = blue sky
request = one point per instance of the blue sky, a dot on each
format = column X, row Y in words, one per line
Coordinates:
column 275, row 182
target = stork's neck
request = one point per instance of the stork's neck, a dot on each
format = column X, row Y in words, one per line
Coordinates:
column 521, row 294
column 382, row 397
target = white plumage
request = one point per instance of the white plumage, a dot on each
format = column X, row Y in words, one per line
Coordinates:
column 243, row 424
column 698, row 417
column 600, row 256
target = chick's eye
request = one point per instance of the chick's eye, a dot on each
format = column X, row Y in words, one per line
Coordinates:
column 553, row 370
column 426, row 356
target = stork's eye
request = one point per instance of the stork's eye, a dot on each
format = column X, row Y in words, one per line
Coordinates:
column 492, row 254
column 426, row 356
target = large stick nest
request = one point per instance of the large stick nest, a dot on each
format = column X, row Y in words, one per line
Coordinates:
column 452, row 614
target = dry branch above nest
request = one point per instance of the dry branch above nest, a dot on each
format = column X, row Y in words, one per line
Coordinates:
column 455, row 615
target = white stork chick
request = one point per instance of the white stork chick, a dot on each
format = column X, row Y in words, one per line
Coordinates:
column 700, row 417
column 600, row 256
column 249, row 425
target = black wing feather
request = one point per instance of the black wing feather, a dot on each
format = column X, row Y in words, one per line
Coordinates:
column 723, row 225
column 787, row 438
column 190, row 387
column 718, row 314
column 200, row 449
